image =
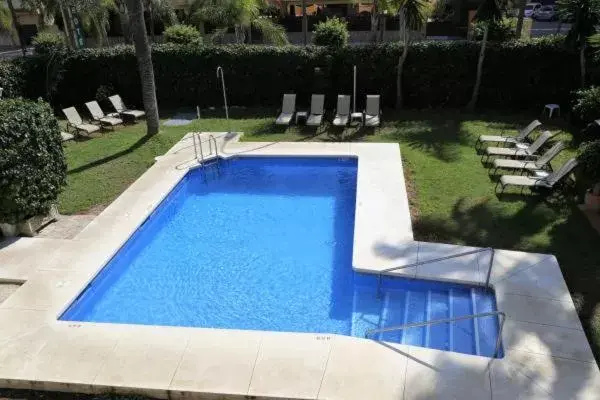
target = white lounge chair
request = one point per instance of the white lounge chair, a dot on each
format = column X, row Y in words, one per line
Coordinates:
column 545, row 182
column 521, row 136
column 342, row 112
column 372, row 113
column 317, row 109
column 540, row 164
column 74, row 120
column 99, row 116
column 123, row 111
column 288, row 109
column 528, row 152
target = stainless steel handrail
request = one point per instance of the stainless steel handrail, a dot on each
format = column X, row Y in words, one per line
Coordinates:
column 418, row 263
column 211, row 140
column 221, row 74
column 194, row 138
column 446, row 320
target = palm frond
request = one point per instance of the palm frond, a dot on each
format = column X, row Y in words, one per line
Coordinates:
column 5, row 19
column 488, row 11
column 272, row 33
column 163, row 10
column 415, row 13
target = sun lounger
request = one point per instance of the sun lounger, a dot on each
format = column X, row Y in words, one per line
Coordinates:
column 74, row 120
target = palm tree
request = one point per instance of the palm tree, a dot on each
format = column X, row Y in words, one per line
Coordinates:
column 585, row 15
column 143, row 53
column 159, row 10
column 95, row 15
column 6, row 22
column 413, row 15
column 489, row 11
column 243, row 15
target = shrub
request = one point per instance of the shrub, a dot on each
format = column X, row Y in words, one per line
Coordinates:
column 48, row 43
column 499, row 31
column 586, row 107
column 589, row 160
column 182, row 34
column 437, row 74
column 12, row 79
column 332, row 32
column 32, row 162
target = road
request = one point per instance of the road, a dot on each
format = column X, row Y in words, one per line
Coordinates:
column 10, row 54
column 544, row 28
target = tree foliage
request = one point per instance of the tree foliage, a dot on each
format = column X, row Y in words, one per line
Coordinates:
column 182, row 34
column 332, row 32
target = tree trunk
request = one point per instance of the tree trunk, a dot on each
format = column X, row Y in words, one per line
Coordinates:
column 99, row 35
column 151, row 21
column 582, row 61
column 473, row 102
column 144, row 59
column 66, row 26
column 17, row 26
column 304, row 23
column 401, row 60
column 123, row 19
column 374, row 21
column 520, row 17
column 382, row 23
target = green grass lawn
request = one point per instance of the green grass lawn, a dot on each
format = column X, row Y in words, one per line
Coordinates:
column 452, row 195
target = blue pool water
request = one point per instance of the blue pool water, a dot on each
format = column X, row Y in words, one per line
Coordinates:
column 266, row 244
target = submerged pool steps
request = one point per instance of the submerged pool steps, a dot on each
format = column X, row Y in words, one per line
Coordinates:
column 406, row 306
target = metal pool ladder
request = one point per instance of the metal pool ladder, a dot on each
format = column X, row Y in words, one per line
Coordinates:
column 201, row 158
column 199, row 150
column 433, row 260
column 499, row 314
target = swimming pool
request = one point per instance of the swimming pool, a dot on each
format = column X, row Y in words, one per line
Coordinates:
column 265, row 243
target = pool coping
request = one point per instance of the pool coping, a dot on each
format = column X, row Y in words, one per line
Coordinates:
column 546, row 351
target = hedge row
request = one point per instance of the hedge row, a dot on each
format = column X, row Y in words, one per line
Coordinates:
column 437, row 74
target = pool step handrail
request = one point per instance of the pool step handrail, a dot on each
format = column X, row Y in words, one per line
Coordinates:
column 434, row 260
column 198, row 145
column 500, row 314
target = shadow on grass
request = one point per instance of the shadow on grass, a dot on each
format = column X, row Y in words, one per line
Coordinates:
column 139, row 143
column 441, row 138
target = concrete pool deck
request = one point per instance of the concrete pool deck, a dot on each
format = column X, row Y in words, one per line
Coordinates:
column 546, row 351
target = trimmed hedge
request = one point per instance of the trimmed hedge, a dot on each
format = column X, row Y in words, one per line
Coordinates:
column 518, row 75
column 12, row 79
column 33, row 169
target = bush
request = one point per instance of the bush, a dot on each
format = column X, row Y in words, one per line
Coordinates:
column 48, row 43
column 332, row 32
column 182, row 34
column 499, row 31
column 437, row 74
column 12, row 79
column 32, row 163
column 586, row 107
column 589, row 160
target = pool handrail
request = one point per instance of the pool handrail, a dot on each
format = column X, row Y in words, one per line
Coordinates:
column 433, row 260
column 198, row 143
column 501, row 314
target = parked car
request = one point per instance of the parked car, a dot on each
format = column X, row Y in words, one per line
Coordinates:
column 545, row 13
column 530, row 8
